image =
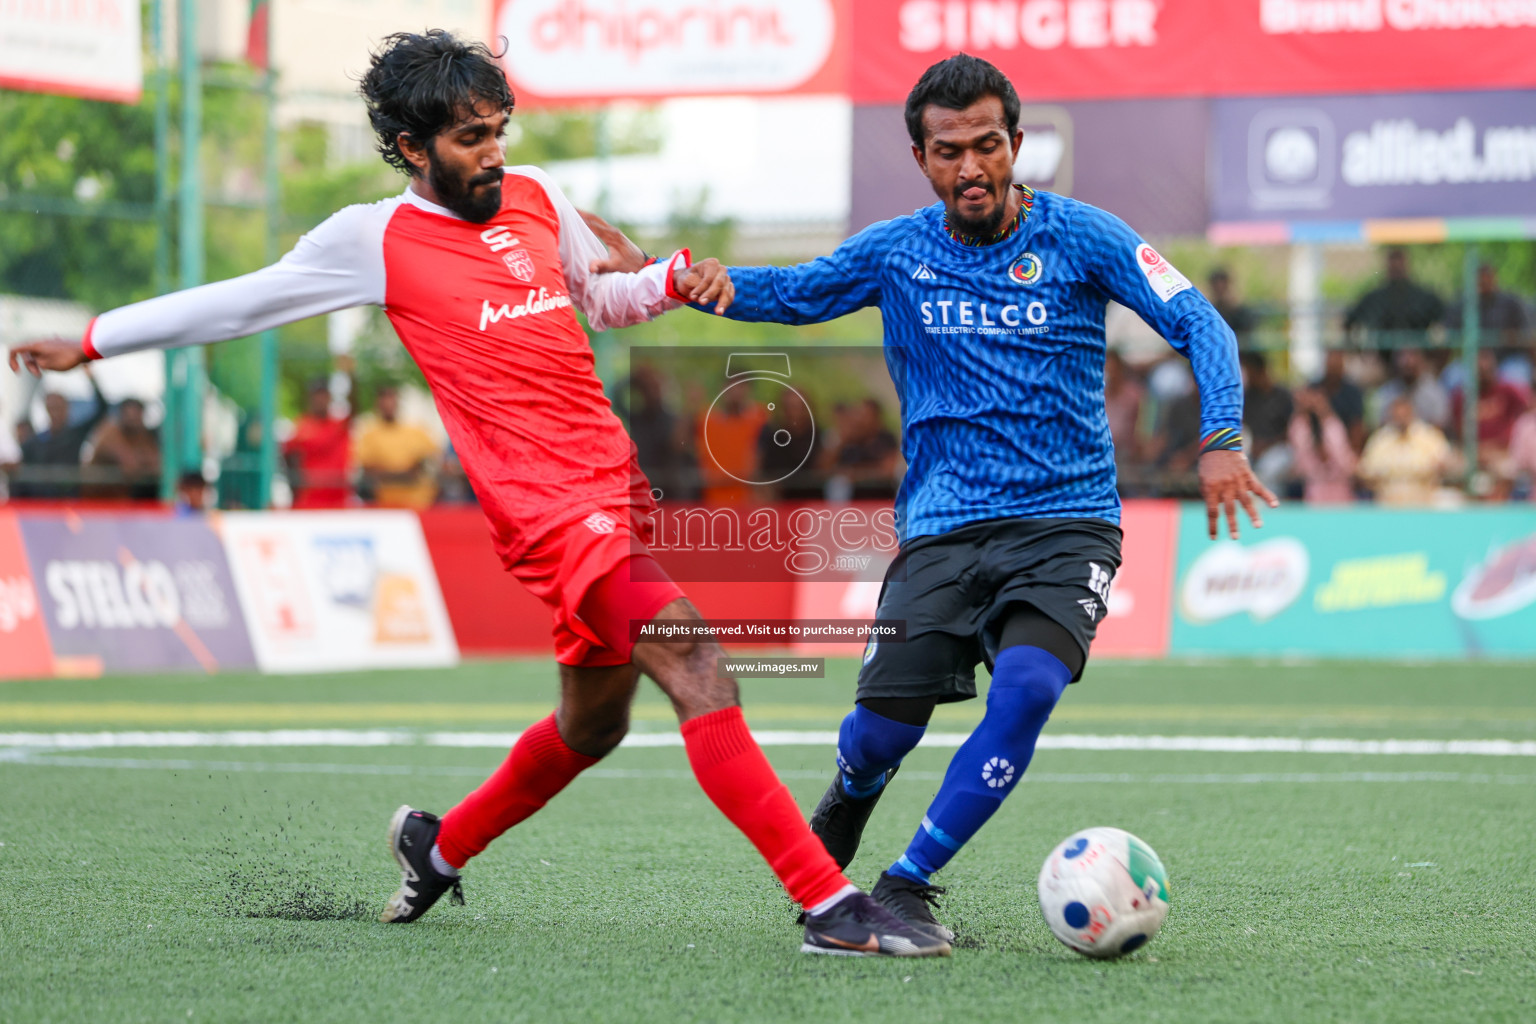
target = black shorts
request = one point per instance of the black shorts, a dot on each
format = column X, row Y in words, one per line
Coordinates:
column 953, row 591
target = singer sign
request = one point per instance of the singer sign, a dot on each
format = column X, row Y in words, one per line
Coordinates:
column 573, row 50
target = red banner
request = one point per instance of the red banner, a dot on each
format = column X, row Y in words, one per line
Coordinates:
column 1096, row 49
column 24, row 649
column 574, row 51
column 1140, row 605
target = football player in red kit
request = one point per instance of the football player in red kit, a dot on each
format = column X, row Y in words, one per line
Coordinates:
column 480, row 268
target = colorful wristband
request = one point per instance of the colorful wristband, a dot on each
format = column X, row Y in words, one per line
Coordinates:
column 1223, row 440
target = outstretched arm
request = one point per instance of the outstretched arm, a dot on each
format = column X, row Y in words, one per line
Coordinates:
column 810, row 293
column 1133, row 273
column 337, row 265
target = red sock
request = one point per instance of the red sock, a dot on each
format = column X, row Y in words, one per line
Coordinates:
column 735, row 775
column 539, row 766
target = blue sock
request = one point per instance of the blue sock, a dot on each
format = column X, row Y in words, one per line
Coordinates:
column 1026, row 684
column 868, row 746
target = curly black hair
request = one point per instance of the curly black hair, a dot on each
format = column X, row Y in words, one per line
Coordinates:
column 956, row 83
column 422, row 84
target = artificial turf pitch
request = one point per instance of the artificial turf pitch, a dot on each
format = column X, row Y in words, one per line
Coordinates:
column 189, row 884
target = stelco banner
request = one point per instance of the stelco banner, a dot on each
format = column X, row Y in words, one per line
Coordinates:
column 1086, row 49
column 132, row 593
column 88, row 49
column 1456, row 154
column 1360, row 582
column 582, row 50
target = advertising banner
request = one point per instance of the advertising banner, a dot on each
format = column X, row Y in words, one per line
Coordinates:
column 73, row 49
column 135, row 593
column 559, row 51
column 1096, row 49
column 1360, row 582
column 1139, row 606
column 1350, row 158
column 1076, row 149
column 24, row 650
column 338, row 590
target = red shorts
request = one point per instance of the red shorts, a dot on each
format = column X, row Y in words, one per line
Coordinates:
column 595, row 575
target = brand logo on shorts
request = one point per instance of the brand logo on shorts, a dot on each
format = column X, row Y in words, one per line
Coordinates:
column 997, row 772
column 869, row 648
column 1098, row 582
column 600, row 522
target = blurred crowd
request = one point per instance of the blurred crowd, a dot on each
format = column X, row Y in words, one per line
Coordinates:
column 760, row 450
column 1383, row 419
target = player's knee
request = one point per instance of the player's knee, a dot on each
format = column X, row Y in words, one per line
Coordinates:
column 1019, row 709
column 596, row 734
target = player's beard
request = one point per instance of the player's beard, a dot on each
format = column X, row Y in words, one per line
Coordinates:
column 462, row 195
column 982, row 227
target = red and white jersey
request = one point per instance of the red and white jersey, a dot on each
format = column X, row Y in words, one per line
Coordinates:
column 488, row 313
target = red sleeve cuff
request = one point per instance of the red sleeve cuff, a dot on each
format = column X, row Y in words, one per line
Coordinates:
column 87, row 344
column 687, row 257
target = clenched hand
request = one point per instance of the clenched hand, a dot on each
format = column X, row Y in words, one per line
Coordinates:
column 705, row 282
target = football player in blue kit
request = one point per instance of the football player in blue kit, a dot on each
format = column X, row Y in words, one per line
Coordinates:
column 993, row 303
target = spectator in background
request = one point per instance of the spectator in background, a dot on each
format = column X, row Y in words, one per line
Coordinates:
column 864, row 463
column 55, row 453
column 1499, row 405
column 398, row 460
column 789, row 452
column 10, row 458
column 1346, row 399
column 1501, row 316
column 660, row 440
column 1123, row 396
column 191, row 494
column 1415, row 379
column 1321, row 448
column 1238, row 316
column 1406, row 459
column 1174, row 447
column 319, row 452
column 133, row 450
column 1267, row 414
column 1400, row 306
column 728, row 454
column 1520, row 465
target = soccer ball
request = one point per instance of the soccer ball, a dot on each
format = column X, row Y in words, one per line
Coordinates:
column 1103, row 892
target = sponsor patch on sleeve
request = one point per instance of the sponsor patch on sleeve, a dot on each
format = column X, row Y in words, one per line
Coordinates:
column 1164, row 278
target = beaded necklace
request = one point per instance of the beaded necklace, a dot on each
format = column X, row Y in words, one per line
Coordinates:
column 1026, row 203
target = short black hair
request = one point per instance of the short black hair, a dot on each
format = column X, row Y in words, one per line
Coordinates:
column 420, row 85
column 954, row 84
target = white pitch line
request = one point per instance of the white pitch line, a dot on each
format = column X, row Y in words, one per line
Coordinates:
column 767, row 738
column 44, row 760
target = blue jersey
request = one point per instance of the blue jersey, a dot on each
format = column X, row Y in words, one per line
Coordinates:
column 998, row 351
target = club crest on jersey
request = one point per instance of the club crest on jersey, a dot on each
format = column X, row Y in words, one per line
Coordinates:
column 1026, row 269
column 519, row 263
